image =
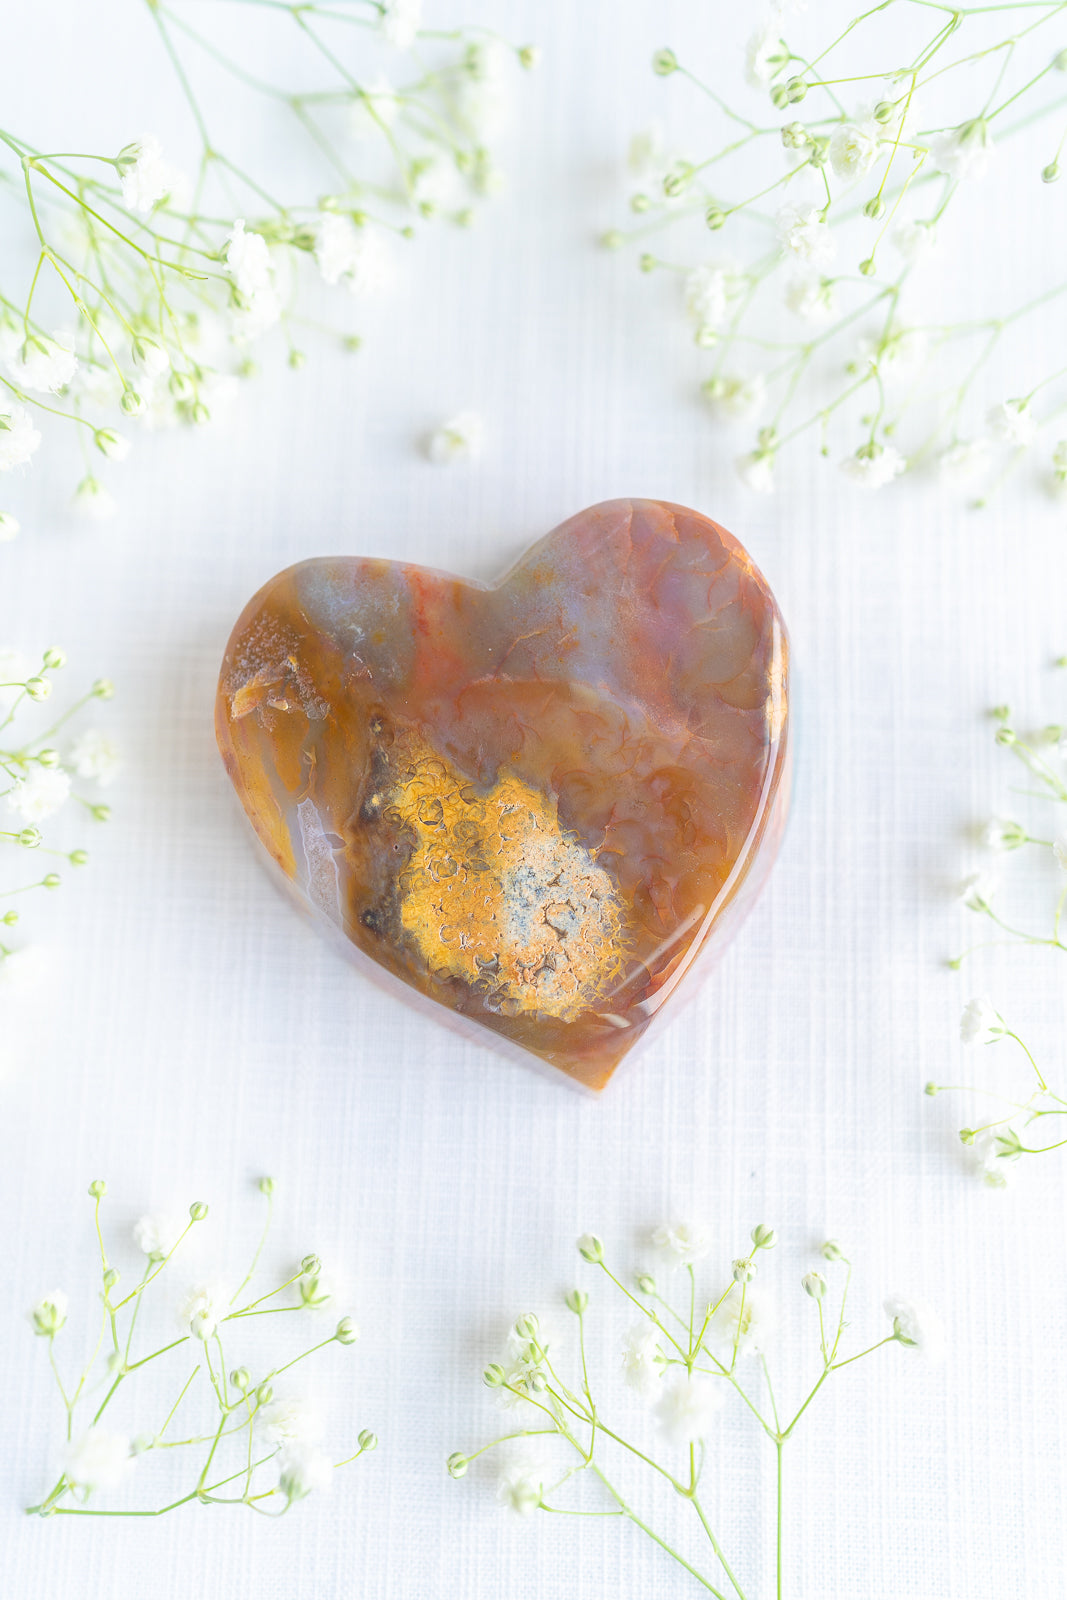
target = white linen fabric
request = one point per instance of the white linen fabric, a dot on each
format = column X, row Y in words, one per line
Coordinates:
column 197, row 1033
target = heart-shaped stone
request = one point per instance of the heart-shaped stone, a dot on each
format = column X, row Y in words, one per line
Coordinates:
column 536, row 803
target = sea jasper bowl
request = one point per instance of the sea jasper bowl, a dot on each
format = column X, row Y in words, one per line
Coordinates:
column 539, row 803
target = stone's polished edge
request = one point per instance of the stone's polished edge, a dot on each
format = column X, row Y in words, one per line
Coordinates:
column 539, row 803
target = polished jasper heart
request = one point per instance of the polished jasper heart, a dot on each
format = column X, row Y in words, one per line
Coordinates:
column 536, row 804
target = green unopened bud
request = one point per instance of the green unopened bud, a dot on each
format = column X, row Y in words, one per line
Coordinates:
column 494, row 1375
column 297, row 359
column 111, row 1277
column 744, row 1270
column 966, row 1136
column 780, row 96
column 676, row 183
column 29, row 837
column 831, row 1251
column 1050, row 173
column 181, row 386
column 796, row 89
column 55, row 659
column 131, row 403
column 874, row 208
column 883, row 111
column 48, row 758
column 664, row 62
column 590, row 1248
column 1060, row 61
column 98, row 1189
column 103, row 689
column 10, row 918
column 867, row 267
column 38, row 688
column 1006, row 736
column 576, row 1301
column 1000, row 713
column 100, row 813
column 240, row 1378
column 931, row 1089
column 527, row 1326
column 612, row 240
column 199, row 415
column 457, row 1464
column 247, row 368
column 111, row 444
column 351, row 343
column 648, row 263
column 529, row 56
column 764, row 1238
column 266, row 1185
column 51, row 880
column 347, row 1331
column 368, row 1440
column 197, row 1211
column 264, row 1395
column 714, row 218
column 814, row 1284
column 311, row 1266
column 639, row 203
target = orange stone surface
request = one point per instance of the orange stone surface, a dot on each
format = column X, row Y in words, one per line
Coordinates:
column 539, row 803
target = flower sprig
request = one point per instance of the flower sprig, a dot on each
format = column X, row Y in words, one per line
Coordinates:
column 254, row 1434
column 999, row 1143
column 170, row 279
column 877, row 179
column 37, row 779
column 686, row 1357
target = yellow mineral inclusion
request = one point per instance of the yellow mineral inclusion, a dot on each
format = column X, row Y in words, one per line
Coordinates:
column 497, row 894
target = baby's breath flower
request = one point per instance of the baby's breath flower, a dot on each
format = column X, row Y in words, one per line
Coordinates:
column 94, row 500
column 522, row 1480
column 590, row 1248
column 915, row 240
column 683, row 1242
column 813, row 300
column 642, row 1363
column 399, row 22
column 686, row 1408
column 964, row 461
column 458, row 439
column 916, row 1327
column 976, row 890
column 764, row 55
column 40, row 794
column 201, row 1308
column 303, row 1469
column 111, row 444
column 145, row 177
column 94, row 755
column 854, row 149
column 100, row 1459
column 980, row 1024
column 756, row 471
column 46, row 365
column 805, row 235
column 359, row 256
column 157, row 1233
column 289, row 1421
column 814, row 1284
column 150, row 356
column 708, row 290
column 248, row 260
column 964, row 153
column 732, row 397
column 18, row 437
column 873, row 465
column 50, row 1312
column 745, row 1321
column 1012, row 422
column 995, row 1166
column 1001, row 834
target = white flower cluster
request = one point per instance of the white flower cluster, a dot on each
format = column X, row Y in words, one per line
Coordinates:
column 287, row 1426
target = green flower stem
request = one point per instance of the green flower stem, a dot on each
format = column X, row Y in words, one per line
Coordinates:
column 698, row 1508
column 637, row 1522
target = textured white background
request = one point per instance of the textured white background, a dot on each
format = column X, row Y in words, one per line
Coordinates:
column 198, row 1033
